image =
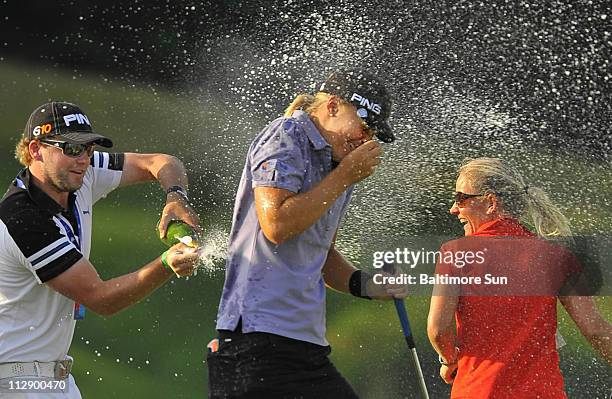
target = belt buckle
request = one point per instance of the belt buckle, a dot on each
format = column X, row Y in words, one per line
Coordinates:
column 62, row 369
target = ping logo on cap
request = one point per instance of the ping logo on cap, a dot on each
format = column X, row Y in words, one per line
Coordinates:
column 364, row 102
column 79, row 118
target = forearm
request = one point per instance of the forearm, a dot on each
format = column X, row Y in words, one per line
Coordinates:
column 602, row 342
column 339, row 274
column 592, row 325
column 118, row 293
column 298, row 212
column 441, row 328
column 444, row 343
column 337, row 271
column 166, row 169
column 170, row 171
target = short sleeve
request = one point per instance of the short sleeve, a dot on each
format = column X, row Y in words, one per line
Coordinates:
column 104, row 173
column 444, row 261
column 446, row 267
column 40, row 243
column 276, row 157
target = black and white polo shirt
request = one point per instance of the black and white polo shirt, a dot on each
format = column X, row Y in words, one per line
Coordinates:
column 38, row 241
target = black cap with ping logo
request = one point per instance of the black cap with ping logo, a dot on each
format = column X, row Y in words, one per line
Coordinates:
column 368, row 94
column 63, row 121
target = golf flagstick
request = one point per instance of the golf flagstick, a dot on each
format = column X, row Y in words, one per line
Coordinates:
column 403, row 317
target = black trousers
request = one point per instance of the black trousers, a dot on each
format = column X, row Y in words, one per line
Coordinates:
column 261, row 365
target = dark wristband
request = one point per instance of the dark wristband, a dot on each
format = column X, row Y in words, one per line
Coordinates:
column 357, row 284
column 179, row 190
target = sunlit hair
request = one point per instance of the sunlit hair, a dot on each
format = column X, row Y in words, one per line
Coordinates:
column 22, row 152
column 517, row 199
column 307, row 103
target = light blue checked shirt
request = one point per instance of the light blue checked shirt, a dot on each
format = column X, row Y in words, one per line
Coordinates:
column 279, row 289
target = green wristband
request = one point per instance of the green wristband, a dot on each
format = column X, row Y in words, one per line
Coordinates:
column 164, row 260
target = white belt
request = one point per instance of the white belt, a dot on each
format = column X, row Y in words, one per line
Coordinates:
column 59, row 369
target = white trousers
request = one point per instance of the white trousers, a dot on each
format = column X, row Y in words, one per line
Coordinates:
column 71, row 391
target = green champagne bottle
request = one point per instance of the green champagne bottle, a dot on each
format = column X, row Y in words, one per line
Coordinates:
column 179, row 231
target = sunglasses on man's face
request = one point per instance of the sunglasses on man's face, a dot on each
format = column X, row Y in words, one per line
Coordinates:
column 71, row 149
column 461, row 198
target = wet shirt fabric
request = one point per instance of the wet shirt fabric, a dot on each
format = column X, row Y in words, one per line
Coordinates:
column 507, row 346
column 279, row 289
column 38, row 241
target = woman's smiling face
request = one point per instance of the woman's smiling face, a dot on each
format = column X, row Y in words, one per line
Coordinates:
column 472, row 212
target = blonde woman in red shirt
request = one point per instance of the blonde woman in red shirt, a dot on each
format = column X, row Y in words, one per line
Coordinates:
column 496, row 335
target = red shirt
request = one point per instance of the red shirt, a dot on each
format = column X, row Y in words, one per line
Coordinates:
column 506, row 332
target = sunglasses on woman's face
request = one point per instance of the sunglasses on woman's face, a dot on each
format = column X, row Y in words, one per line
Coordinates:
column 460, row 197
column 71, row 149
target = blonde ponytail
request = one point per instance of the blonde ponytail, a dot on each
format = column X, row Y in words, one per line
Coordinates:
column 299, row 102
column 307, row 103
column 529, row 204
column 547, row 219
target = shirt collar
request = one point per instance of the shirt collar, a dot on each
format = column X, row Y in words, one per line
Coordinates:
column 37, row 195
column 313, row 134
column 503, row 227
